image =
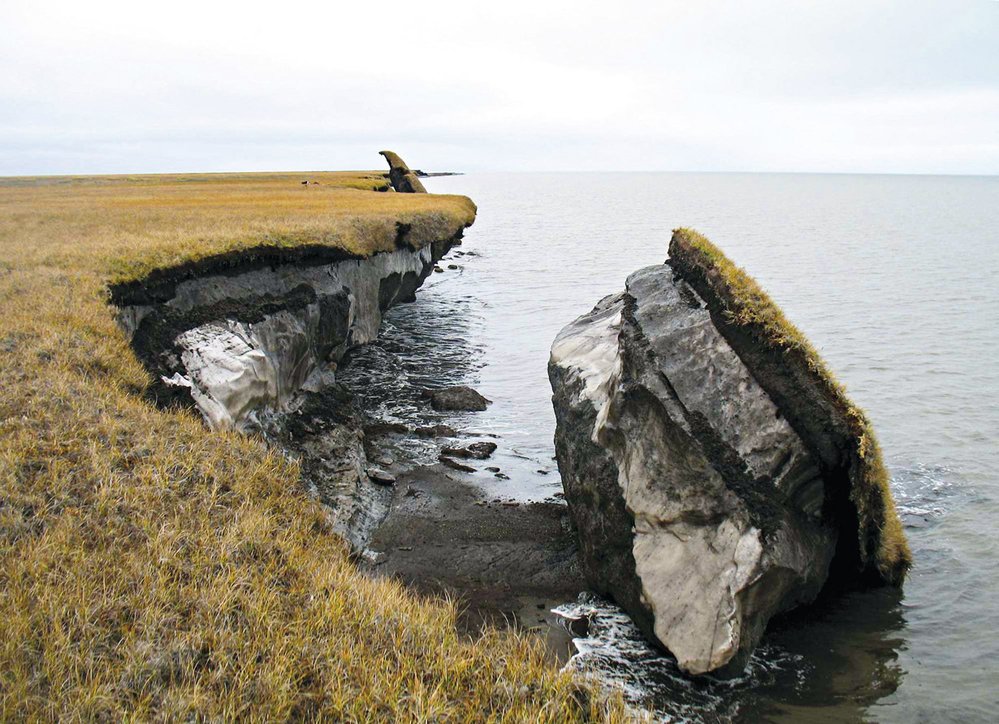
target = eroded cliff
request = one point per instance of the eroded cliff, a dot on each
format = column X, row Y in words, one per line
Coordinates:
column 252, row 339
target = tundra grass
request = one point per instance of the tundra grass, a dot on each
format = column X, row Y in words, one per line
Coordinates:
column 153, row 569
column 749, row 307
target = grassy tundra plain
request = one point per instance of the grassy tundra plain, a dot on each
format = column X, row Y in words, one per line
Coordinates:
column 151, row 568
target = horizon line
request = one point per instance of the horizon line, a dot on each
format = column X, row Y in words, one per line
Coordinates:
column 497, row 171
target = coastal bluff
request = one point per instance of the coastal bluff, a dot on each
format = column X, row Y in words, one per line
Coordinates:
column 252, row 338
column 715, row 471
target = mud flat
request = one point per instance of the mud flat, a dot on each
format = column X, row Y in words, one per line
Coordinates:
column 508, row 562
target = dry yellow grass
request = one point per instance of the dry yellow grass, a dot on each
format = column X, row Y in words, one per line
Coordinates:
column 751, row 308
column 123, row 227
column 152, row 569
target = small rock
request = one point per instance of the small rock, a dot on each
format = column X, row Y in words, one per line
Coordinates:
column 382, row 477
column 458, row 398
column 578, row 626
column 493, row 470
column 477, row 450
column 438, row 270
column 452, row 266
column 501, row 476
column 455, row 465
column 375, row 558
column 380, row 428
column 436, row 431
column 541, row 472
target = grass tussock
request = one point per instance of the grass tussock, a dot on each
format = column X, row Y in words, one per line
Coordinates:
column 151, row 568
column 748, row 306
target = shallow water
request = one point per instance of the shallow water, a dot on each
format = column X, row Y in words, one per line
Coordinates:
column 894, row 279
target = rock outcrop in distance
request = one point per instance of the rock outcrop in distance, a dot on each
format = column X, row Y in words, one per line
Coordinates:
column 716, row 472
column 400, row 175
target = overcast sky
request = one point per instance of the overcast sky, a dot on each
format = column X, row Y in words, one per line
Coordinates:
column 903, row 86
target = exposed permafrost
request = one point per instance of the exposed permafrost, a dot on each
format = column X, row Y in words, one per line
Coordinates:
column 235, row 370
column 292, row 327
column 698, row 507
column 257, row 347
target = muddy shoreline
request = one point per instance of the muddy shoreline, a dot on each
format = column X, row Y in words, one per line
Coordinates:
column 436, row 529
column 505, row 562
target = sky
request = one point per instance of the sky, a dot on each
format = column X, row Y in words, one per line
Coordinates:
column 869, row 86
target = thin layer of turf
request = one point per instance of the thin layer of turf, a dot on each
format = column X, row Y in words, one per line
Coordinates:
column 881, row 540
column 151, row 568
